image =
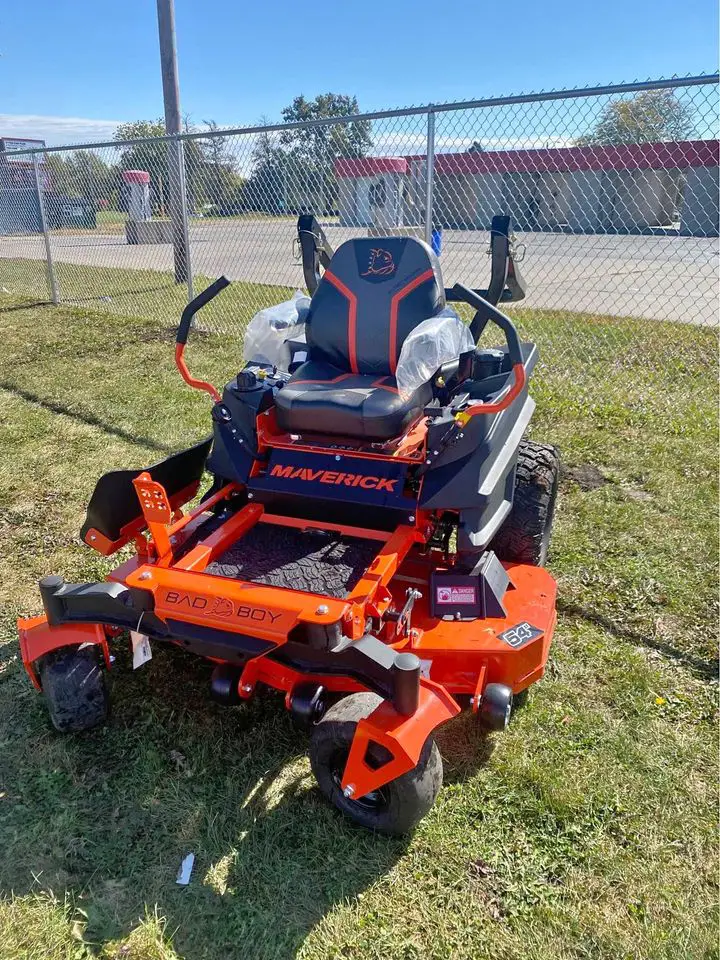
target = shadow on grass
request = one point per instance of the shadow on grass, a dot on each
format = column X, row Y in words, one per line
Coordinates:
column 110, row 293
column 27, row 306
column 106, row 817
column 465, row 748
column 88, row 419
column 702, row 668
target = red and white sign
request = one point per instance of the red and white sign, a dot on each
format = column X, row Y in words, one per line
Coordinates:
column 453, row 595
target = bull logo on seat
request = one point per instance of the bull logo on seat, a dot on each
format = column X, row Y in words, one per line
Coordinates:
column 381, row 263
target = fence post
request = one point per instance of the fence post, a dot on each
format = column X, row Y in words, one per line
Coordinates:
column 429, row 176
column 183, row 212
column 49, row 267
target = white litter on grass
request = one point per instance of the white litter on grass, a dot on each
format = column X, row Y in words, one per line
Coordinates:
column 140, row 648
column 183, row 877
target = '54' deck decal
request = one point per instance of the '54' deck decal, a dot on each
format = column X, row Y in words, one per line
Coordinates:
column 520, row 634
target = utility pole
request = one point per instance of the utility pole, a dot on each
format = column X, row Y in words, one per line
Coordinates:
column 171, row 97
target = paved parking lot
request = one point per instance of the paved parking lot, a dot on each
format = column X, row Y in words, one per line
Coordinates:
column 657, row 277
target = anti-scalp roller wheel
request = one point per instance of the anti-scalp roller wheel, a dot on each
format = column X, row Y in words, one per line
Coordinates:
column 307, row 704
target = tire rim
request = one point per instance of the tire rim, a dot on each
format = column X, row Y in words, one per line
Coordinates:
column 374, row 802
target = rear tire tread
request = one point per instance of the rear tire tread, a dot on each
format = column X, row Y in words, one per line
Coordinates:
column 525, row 534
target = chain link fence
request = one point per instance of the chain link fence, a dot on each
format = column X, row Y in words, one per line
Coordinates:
column 613, row 193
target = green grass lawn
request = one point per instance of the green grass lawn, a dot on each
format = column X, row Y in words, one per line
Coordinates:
column 106, row 218
column 139, row 293
column 113, row 221
column 107, row 221
column 588, row 830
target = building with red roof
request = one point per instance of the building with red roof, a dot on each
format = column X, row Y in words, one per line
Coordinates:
column 624, row 188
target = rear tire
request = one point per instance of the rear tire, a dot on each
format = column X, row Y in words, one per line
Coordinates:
column 525, row 534
column 394, row 808
column 74, row 687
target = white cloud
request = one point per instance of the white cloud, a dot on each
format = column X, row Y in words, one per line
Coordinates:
column 387, row 144
column 56, row 131
column 62, row 131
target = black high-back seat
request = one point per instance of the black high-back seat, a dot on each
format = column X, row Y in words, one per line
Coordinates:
column 373, row 294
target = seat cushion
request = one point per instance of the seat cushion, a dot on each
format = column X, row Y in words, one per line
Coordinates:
column 321, row 398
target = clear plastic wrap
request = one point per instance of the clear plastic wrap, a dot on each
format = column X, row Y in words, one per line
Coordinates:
column 269, row 330
column 432, row 343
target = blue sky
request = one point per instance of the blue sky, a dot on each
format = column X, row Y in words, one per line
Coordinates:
column 71, row 69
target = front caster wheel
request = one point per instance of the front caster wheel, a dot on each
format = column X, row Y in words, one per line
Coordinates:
column 496, row 706
column 74, row 687
column 394, row 808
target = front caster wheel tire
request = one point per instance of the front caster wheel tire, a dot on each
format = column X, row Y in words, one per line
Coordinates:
column 394, row 808
column 496, row 706
column 73, row 683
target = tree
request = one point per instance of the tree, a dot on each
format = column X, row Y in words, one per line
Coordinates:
column 222, row 183
column 312, row 151
column 647, row 117
column 294, row 169
column 61, row 179
column 84, row 173
column 216, row 147
column 267, row 188
column 342, row 139
column 154, row 157
column 97, row 179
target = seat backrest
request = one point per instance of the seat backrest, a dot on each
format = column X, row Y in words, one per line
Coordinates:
column 374, row 292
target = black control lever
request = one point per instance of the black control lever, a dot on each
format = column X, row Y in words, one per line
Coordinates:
column 315, row 250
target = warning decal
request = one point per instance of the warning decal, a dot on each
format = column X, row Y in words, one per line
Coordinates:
column 455, row 595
